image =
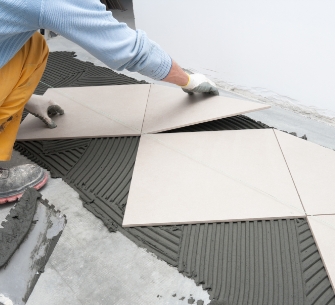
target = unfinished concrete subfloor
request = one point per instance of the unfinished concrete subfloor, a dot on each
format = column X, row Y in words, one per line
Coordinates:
column 186, row 247
column 30, row 252
column 92, row 266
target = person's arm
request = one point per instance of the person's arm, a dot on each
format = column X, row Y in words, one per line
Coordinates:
column 190, row 83
column 177, row 75
column 88, row 24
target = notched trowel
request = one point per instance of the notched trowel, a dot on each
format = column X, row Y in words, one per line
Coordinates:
column 27, row 238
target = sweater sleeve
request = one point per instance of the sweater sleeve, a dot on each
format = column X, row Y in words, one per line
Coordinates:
column 88, row 24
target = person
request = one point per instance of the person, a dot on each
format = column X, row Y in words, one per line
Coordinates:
column 23, row 57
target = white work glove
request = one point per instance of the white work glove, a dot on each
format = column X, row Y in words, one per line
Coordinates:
column 43, row 108
column 201, row 84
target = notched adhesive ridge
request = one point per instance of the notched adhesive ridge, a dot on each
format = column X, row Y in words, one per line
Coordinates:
column 101, row 174
column 317, row 285
column 17, row 224
column 64, row 70
column 102, row 178
column 257, row 262
column 57, row 156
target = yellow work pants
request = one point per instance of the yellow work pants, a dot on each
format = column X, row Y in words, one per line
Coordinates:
column 18, row 80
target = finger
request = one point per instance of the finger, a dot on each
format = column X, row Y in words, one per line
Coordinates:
column 188, row 91
column 56, row 106
column 214, row 91
column 55, row 109
column 49, row 122
column 46, row 120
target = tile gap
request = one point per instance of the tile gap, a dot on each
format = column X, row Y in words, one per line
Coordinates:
column 289, row 171
column 145, row 112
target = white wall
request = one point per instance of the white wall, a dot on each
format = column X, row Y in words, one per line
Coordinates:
column 281, row 50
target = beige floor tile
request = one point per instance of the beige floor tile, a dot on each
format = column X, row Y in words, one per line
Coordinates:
column 313, row 171
column 210, row 177
column 170, row 108
column 323, row 228
column 92, row 112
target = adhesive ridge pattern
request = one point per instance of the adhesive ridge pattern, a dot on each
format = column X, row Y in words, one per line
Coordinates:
column 268, row 262
column 101, row 173
column 256, row 262
column 64, row 70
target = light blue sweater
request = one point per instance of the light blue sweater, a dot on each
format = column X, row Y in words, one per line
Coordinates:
column 86, row 23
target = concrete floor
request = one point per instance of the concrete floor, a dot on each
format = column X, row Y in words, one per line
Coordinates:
column 90, row 265
column 18, row 277
column 93, row 266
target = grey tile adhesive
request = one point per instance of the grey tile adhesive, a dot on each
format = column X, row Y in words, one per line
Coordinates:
column 29, row 234
column 16, row 225
column 251, row 262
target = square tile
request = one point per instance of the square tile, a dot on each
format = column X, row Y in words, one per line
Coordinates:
column 170, row 108
column 210, row 177
column 105, row 111
column 313, row 171
column 323, row 229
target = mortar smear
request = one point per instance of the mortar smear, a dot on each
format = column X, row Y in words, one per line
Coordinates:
column 17, row 225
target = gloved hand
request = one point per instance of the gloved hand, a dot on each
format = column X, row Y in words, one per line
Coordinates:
column 201, row 84
column 44, row 109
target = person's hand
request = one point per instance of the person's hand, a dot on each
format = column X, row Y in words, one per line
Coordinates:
column 194, row 82
column 201, row 84
column 44, row 109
